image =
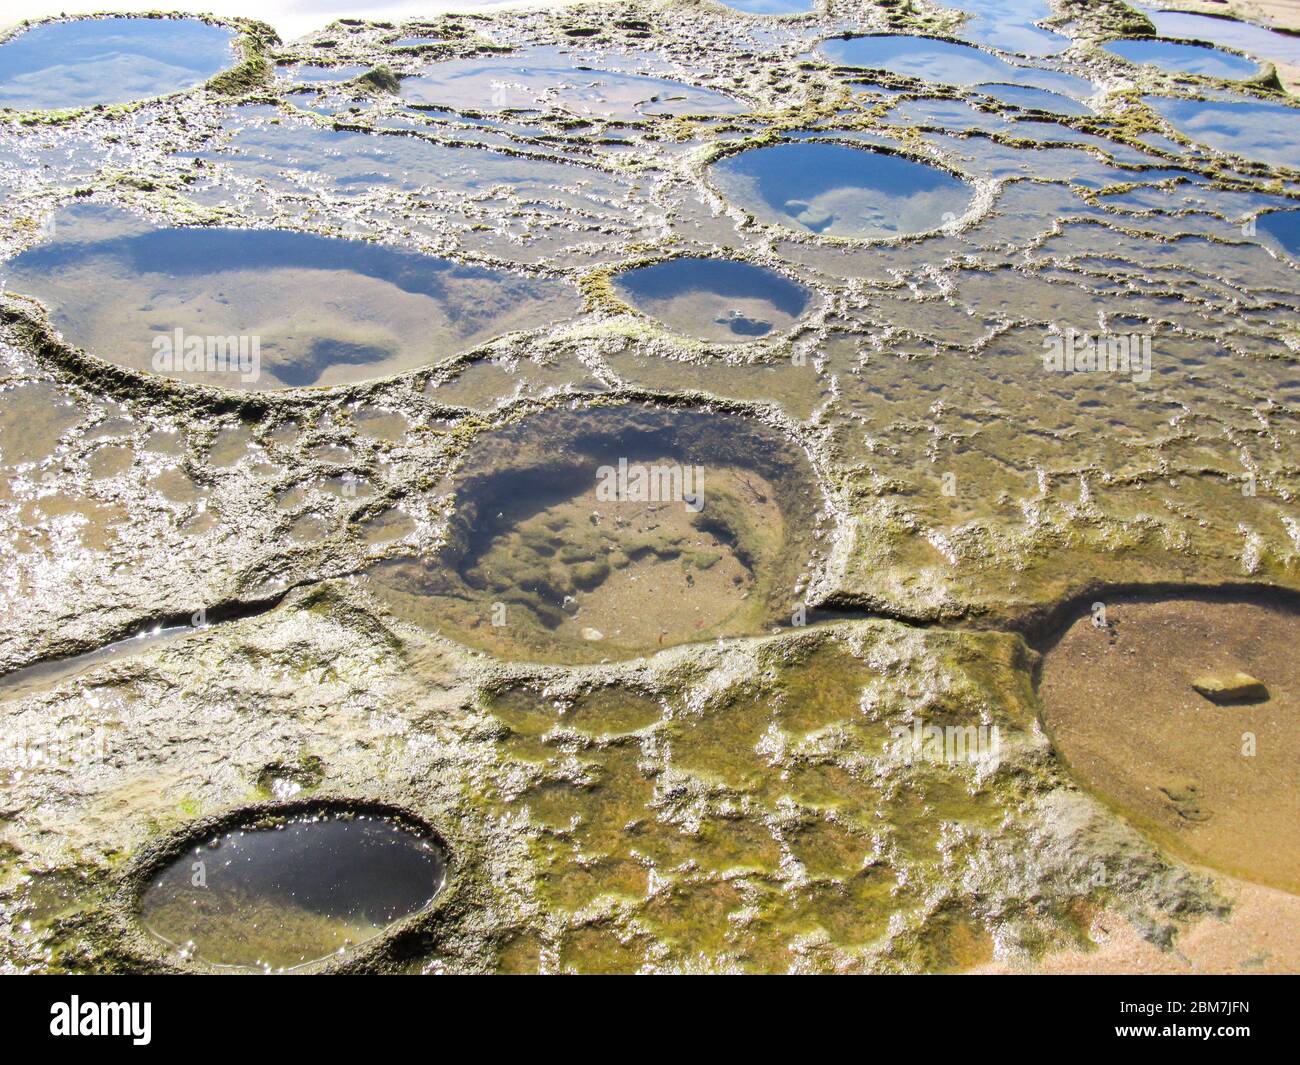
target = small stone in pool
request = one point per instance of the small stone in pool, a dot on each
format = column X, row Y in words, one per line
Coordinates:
column 1238, row 688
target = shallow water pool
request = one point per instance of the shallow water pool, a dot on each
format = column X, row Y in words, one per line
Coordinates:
column 835, row 190
column 548, row 78
column 1266, row 132
column 1176, row 58
column 295, row 891
column 715, row 299
column 109, row 61
column 943, row 62
column 267, row 308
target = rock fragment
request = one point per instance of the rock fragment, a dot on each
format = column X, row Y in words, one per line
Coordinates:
column 1234, row 688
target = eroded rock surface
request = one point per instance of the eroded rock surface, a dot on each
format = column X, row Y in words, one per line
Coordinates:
column 937, row 469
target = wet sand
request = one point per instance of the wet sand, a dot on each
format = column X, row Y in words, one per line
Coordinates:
column 1261, row 936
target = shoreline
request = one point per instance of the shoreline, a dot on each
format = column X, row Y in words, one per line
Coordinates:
column 292, row 19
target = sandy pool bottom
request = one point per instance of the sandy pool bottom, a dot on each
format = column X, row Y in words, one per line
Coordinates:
column 1218, row 785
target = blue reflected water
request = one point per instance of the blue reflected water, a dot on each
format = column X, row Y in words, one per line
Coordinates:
column 1244, row 36
column 416, row 42
column 715, row 299
column 1262, row 131
column 109, row 61
column 943, row 62
column 323, row 310
column 1283, row 227
column 1038, row 99
column 1175, row 58
column 1009, row 25
column 353, row 162
column 840, row 191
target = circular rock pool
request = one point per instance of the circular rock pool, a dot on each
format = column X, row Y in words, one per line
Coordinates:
column 279, row 892
column 840, row 191
column 614, row 531
column 715, row 299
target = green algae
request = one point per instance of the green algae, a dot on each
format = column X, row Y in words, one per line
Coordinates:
column 254, row 70
column 751, row 870
column 380, row 80
column 781, row 848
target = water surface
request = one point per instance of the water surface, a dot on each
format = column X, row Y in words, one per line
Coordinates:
column 353, row 162
column 541, row 79
column 1037, row 99
column 1231, row 33
column 316, row 310
column 840, row 191
column 109, row 61
column 610, row 532
column 495, row 202
column 772, row 7
column 1010, row 25
column 1283, row 227
column 416, row 42
column 298, row 891
column 942, row 62
column 1120, row 707
column 43, row 675
column 1266, row 132
column 1175, row 58
column 715, row 299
